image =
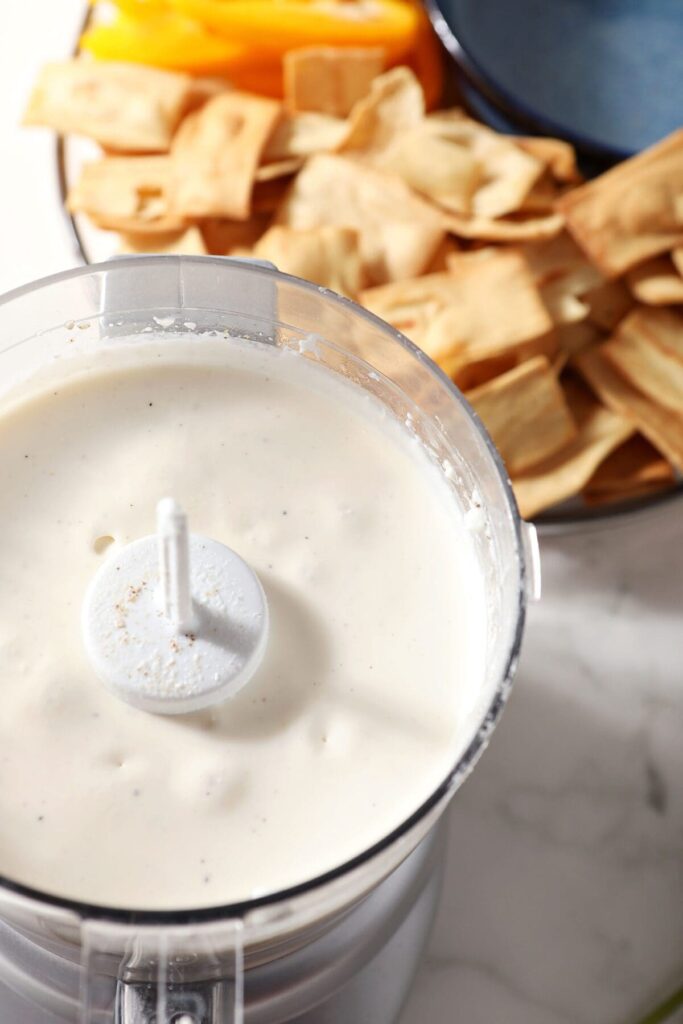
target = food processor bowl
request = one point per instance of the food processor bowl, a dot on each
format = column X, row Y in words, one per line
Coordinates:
column 317, row 951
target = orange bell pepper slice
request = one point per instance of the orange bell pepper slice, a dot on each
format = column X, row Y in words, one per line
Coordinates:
column 166, row 41
column 426, row 60
column 280, row 25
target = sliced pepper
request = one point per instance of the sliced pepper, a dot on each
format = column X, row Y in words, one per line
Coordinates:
column 426, row 60
column 280, row 25
column 167, row 41
column 139, row 8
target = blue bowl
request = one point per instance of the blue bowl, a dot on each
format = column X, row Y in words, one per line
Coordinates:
column 607, row 75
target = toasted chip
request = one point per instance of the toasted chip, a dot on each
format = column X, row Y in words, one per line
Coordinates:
column 558, row 257
column 508, row 173
column 661, row 426
column 563, row 306
column 608, row 304
column 223, row 237
column 663, row 327
column 567, row 472
column 647, row 367
column 205, row 87
column 399, row 232
column 328, row 256
column 559, row 157
column 572, row 338
column 510, row 229
column 439, row 262
column 279, row 169
column 129, row 194
column 122, row 106
column 411, row 305
column 438, row 168
column 328, row 79
column 494, row 307
column 189, row 243
column 525, row 413
column 216, row 152
column 657, row 282
column 480, row 371
column 633, row 468
column 633, row 211
column 563, row 275
column 677, row 257
column 543, row 196
column 394, row 104
column 302, row 135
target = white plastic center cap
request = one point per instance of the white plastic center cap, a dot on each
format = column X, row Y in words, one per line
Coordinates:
column 174, row 623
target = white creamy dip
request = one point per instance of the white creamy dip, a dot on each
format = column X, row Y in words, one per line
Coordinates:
column 377, row 643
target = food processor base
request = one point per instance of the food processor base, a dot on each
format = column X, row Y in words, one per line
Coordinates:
column 373, row 994
column 376, row 994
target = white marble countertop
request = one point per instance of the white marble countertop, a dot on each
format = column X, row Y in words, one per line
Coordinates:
column 563, row 899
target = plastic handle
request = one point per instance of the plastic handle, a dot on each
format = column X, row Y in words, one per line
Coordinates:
column 154, row 975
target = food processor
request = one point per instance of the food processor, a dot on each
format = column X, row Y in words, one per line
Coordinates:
column 342, row 947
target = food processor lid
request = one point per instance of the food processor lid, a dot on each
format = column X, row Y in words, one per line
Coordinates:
column 243, row 298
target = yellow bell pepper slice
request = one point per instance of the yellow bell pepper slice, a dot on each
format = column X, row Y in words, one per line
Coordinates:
column 280, row 25
column 166, row 41
column 138, row 8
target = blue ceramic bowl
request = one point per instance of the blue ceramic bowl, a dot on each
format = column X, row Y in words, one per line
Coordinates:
column 606, row 75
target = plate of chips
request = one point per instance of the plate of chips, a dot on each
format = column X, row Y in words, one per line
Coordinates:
column 554, row 304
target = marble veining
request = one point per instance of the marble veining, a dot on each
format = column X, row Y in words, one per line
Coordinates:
column 563, row 899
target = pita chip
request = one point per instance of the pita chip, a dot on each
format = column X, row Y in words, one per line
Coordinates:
column 507, row 173
column 558, row 157
column 608, row 303
column 677, row 258
column 662, row 327
column 526, row 414
column 128, row 194
column 328, row 256
column 394, row 104
column 329, row 80
column 222, row 236
column 494, row 306
column 656, row 282
column 632, row 212
column 634, row 469
column 215, row 155
column 399, row 232
column 505, row 229
column 301, row 135
column 442, row 170
column 566, row 473
column 663, row 428
column 124, row 107
column 647, row 367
